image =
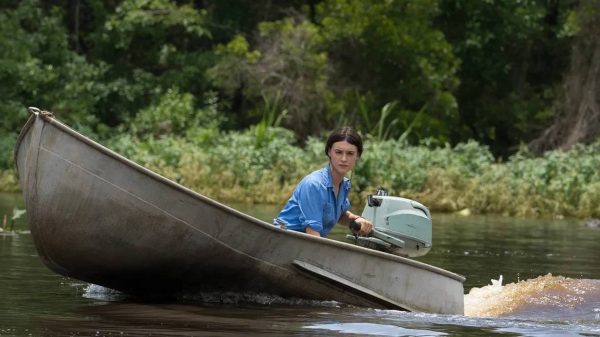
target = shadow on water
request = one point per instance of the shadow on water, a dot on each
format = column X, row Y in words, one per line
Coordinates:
column 142, row 319
column 544, row 306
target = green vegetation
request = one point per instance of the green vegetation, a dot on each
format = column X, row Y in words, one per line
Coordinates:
column 8, row 181
column 8, row 225
column 233, row 167
column 230, row 97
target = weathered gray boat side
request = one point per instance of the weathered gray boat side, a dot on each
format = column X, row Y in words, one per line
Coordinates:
column 101, row 218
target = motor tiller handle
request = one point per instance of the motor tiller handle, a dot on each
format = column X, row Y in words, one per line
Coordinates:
column 354, row 226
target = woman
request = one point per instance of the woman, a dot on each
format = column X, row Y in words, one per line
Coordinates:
column 321, row 199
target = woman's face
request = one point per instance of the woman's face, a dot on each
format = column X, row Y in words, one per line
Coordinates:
column 342, row 156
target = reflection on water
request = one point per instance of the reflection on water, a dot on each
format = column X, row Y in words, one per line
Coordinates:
column 564, row 301
column 367, row 329
column 171, row 319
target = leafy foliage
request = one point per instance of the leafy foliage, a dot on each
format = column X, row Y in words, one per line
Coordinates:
column 289, row 67
column 36, row 66
column 176, row 113
column 445, row 178
column 387, row 51
column 513, row 55
column 232, row 98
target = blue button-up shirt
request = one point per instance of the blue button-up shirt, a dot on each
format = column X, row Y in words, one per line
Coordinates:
column 313, row 203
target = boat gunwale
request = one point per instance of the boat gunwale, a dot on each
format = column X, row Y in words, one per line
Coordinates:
column 20, row 137
column 103, row 149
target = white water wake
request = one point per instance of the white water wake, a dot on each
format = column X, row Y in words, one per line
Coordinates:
column 551, row 297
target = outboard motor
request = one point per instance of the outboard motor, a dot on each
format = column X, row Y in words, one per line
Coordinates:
column 400, row 226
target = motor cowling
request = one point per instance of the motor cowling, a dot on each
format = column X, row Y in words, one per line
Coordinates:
column 400, row 226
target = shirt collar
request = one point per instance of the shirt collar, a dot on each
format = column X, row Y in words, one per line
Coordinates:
column 329, row 183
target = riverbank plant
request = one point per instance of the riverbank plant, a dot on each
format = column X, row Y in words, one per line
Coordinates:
column 9, row 181
column 558, row 184
column 233, row 167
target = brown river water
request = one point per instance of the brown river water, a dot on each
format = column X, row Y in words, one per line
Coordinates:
column 525, row 277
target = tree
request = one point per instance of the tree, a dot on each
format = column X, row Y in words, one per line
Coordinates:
column 513, row 55
column 37, row 68
column 578, row 108
column 150, row 47
column 288, row 71
column 384, row 51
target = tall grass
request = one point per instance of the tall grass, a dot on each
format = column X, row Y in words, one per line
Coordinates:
column 234, row 167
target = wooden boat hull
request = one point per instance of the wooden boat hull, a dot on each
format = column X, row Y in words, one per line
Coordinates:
column 99, row 217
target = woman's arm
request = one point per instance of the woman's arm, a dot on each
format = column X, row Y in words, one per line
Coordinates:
column 310, row 202
column 311, row 231
column 365, row 225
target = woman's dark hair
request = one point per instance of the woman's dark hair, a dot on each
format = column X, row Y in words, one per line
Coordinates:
column 345, row 133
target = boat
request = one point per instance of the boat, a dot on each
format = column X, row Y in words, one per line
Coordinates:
column 99, row 217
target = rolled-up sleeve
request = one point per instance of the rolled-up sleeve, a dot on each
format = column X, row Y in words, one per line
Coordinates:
column 310, row 200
